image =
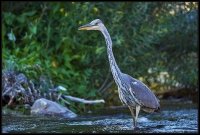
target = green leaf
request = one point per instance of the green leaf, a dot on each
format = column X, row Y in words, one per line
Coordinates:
column 99, row 50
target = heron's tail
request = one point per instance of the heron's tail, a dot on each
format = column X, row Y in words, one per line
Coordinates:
column 158, row 110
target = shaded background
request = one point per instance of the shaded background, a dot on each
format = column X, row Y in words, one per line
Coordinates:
column 155, row 42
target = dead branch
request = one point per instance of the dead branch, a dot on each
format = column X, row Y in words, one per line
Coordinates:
column 75, row 99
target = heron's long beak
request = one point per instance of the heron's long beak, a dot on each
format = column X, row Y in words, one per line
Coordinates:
column 87, row 27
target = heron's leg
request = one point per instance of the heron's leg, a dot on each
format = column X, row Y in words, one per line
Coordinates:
column 137, row 110
column 133, row 115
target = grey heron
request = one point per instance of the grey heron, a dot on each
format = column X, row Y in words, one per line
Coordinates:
column 132, row 92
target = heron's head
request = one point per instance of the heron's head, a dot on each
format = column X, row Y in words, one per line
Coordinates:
column 93, row 25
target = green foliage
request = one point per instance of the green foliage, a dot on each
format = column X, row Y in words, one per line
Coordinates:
column 148, row 38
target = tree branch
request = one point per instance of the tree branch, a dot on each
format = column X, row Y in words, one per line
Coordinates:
column 76, row 99
column 104, row 83
column 108, row 85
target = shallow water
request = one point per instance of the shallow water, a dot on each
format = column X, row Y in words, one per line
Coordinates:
column 177, row 119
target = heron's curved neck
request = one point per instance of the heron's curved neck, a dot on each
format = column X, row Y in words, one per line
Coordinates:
column 113, row 65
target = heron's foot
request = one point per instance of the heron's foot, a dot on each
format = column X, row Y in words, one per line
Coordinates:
column 134, row 123
column 135, row 127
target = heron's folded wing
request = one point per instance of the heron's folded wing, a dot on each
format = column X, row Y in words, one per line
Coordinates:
column 143, row 93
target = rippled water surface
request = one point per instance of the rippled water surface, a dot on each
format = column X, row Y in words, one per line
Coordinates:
column 176, row 118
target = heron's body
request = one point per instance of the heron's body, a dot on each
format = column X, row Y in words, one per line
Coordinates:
column 132, row 92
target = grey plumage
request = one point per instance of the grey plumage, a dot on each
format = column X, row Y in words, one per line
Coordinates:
column 132, row 92
column 142, row 93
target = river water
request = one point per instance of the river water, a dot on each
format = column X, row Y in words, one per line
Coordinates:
column 175, row 117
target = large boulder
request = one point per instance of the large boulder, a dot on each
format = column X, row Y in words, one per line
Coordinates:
column 43, row 106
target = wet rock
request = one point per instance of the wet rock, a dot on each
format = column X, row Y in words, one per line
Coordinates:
column 43, row 106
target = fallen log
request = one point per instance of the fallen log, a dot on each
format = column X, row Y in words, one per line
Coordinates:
column 76, row 99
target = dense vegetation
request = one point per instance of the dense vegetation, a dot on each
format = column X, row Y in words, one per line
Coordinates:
column 155, row 42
